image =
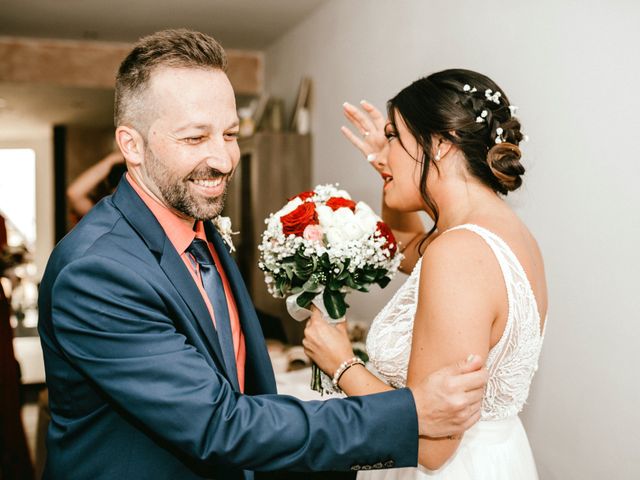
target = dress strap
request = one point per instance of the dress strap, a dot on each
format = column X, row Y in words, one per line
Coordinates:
column 498, row 247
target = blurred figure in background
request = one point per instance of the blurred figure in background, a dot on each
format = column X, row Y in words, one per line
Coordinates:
column 15, row 462
column 94, row 183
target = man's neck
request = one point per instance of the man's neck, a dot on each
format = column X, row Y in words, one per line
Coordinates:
column 157, row 197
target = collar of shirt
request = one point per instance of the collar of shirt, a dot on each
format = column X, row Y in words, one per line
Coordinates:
column 176, row 229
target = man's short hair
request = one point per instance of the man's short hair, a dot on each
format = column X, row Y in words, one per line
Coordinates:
column 167, row 48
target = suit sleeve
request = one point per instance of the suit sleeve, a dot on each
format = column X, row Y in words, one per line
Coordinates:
column 113, row 326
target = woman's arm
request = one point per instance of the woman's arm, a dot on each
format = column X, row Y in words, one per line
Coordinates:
column 457, row 305
column 79, row 190
column 452, row 395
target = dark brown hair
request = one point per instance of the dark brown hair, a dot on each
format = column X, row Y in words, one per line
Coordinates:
column 438, row 106
column 168, row 48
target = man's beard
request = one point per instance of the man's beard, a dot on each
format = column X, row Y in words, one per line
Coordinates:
column 175, row 190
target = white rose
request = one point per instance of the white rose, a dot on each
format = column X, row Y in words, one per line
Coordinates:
column 325, row 216
column 367, row 220
column 342, row 216
column 352, row 230
column 335, row 236
column 364, row 208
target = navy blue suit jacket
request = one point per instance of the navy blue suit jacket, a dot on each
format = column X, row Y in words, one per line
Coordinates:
column 137, row 385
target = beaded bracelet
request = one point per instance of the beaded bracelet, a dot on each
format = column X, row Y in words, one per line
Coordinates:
column 344, row 366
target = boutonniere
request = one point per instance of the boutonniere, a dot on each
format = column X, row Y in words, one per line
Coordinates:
column 223, row 225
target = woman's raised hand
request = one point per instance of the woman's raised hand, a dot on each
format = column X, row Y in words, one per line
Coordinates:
column 370, row 125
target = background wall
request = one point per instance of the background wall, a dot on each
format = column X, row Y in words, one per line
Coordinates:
column 40, row 140
column 573, row 69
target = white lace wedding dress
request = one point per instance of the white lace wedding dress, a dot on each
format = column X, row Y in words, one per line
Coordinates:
column 495, row 448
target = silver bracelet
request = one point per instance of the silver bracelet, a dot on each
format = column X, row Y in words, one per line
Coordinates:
column 344, row 366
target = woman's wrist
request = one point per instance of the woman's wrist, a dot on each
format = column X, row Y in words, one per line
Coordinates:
column 343, row 367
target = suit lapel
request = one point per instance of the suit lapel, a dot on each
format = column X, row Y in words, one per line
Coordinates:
column 145, row 224
column 258, row 364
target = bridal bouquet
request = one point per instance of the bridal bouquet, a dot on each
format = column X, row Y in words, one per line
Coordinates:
column 320, row 246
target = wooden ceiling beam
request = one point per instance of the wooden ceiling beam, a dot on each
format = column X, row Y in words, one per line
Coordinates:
column 93, row 64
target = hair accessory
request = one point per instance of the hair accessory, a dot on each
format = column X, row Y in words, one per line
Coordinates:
column 494, row 97
column 482, row 116
column 344, row 366
column 499, row 132
column 467, row 88
column 513, row 109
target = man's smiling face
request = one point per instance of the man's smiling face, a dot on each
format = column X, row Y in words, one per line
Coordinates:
column 191, row 145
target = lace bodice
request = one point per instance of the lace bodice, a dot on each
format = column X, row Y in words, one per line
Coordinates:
column 511, row 363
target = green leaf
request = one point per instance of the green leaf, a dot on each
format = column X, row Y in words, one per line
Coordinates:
column 383, row 282
column 368, row 277
column 350, row 282
column 361, row 354
column 344, row 275
column 311, row 284
column 303, row 266
column 282, row 285
column 334, row 303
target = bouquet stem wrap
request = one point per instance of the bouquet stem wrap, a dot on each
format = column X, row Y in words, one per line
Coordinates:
column 320, row 381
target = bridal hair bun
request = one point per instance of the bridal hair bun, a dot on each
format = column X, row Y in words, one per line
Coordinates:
column 495, row 129
column 503, row 160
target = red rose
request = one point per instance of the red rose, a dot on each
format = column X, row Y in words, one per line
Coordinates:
column 303, row 196
column 386, row 232
column 339, row 202
column 296, row 221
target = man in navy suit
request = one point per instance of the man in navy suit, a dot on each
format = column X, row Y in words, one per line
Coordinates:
column 147, row 380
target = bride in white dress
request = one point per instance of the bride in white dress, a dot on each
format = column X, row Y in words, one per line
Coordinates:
column 477, row 281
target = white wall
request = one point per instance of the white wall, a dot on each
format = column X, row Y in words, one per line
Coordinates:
column 40, row 140
column 574, row 70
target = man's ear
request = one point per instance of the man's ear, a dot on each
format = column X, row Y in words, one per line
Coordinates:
column 131, row 145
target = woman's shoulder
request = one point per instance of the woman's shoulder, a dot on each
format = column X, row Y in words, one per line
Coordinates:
column 460, row 256
column 458, row 245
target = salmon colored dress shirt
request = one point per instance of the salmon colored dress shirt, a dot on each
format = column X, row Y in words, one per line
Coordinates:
column 181, row 236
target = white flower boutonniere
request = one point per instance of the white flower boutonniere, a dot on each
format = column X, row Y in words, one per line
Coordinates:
column 223, row 225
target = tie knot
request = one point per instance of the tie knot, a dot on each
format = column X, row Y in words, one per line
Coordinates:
column 200, row 251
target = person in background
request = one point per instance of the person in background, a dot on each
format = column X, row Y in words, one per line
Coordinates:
column 94, row 183
column 15, row 462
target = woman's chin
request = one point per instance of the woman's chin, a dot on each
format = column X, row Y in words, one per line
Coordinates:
column 395, row 203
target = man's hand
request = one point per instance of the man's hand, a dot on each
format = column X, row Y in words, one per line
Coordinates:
column 449, row 400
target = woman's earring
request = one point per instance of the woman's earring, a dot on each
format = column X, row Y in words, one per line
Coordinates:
column 437, row 158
